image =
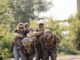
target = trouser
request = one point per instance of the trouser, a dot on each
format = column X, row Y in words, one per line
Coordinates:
column 53, row 54
column 38, row 54
column 18, row 53
column 49, row 52
column 30, row 57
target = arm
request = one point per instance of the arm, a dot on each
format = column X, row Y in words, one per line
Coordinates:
column 56, row 38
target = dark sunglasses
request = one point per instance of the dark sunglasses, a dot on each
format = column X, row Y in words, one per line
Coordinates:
column 21, row 27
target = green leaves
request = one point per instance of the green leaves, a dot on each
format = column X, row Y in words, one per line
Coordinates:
column 5, row 34
column 6, row 39
column 23, row 10
column 33, row 24
column 74, row 28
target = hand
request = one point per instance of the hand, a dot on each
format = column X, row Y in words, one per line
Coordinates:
column 36, row 33
column 18, row 35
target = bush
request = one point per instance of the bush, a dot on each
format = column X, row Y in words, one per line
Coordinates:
column 4, row 54
column 5, row 42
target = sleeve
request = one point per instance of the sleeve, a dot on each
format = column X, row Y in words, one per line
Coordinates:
column 56, row 38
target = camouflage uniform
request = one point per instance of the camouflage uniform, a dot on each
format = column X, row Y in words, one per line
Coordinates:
column 56, row 41
column 28, row 48
column 38, row 48
column 48, row 50
column 17, row 44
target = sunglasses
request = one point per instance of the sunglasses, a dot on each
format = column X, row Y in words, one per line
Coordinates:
column 21, row 27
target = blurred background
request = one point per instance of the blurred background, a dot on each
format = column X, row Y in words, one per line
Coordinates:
column 61, row 16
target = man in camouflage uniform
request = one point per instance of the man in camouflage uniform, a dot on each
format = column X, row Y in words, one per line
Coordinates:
column 28, row 48
column 19, row 34
column 38, row 47
column 48, row 43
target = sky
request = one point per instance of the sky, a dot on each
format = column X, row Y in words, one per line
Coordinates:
column 61, row 9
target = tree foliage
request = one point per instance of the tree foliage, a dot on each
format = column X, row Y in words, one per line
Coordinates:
column 5, row 34
column 54, row 26
column 23, row 10
column 75, row 30
column 33, row 24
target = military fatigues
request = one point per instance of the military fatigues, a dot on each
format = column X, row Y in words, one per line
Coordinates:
column 49, row 49
column 56, row 41
column 28, row 48
column 38, row 48
column 17, row 45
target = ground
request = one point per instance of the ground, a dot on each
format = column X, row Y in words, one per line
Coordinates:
column 67, row 57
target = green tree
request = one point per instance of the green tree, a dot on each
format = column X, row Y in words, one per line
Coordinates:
column 23, row 10
column 54, row 26
column 5, row 34
column 3, row 11
column 5, row 16
column 74, row 28
column 33, row 24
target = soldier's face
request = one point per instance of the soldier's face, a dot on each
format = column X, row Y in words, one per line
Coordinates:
column 21, row 28
column 41, row 28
